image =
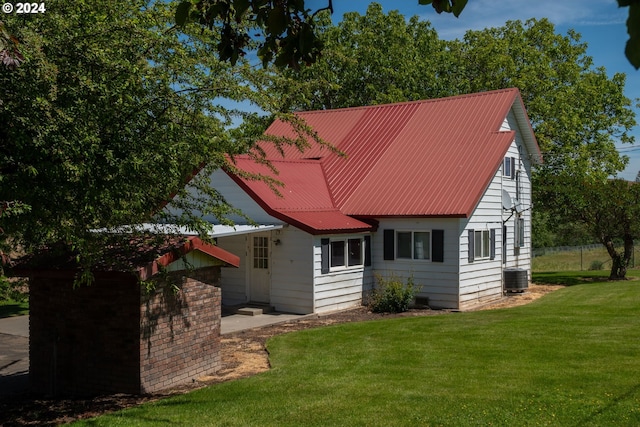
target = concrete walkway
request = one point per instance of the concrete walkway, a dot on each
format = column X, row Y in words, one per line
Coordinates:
column 240, row 322
column 14, row 345
column 14, row 355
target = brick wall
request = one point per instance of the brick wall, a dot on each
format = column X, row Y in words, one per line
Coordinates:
column 180, row 330
column 82, row 340
column 113, row 336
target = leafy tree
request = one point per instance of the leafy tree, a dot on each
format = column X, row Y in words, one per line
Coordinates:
column 550, row 230
column 609, row 209
column 578, row 113
column 632, row 48
column 112, row 109
column 374, row 58
column 287, row 29
column 576, row 110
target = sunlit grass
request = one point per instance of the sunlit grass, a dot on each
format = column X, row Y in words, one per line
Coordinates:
column 569, row 358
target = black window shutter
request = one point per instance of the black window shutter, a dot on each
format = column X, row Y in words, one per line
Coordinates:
column 437, row 244
column 389, row 237
column 513, row 168
column 367, row 251
column 493, row 244
column 324, row 256
column 471, row 246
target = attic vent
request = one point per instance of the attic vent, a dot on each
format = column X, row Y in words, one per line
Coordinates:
column 516, row 280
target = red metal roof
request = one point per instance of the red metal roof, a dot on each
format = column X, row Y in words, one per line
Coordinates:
column 303, row 201
column 425, row 159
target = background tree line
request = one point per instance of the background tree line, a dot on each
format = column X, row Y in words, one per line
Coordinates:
column 106, row 109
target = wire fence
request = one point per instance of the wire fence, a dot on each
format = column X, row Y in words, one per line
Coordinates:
column 585, row 257
column 555, row 249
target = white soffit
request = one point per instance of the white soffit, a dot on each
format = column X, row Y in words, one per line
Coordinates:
column 218, row 230
column 231, row 230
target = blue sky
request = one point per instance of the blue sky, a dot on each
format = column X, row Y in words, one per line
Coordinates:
column 600, row 22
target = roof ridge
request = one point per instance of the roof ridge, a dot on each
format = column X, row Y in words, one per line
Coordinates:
column 417, row 101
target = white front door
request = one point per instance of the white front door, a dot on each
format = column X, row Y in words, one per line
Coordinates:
column 260, row 266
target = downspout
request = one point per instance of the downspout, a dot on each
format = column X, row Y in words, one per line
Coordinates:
column 503, row 258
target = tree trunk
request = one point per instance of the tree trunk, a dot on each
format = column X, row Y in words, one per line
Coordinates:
column 619, row 262
column 618, row 270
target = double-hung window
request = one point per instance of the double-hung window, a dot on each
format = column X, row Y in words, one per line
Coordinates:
column 413, row 244
column 519, row 233
column 482, row 244
column 338, row 253
column 509, row 167
column 345, row 253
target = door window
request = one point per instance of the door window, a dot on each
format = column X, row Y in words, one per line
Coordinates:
column 260, row 252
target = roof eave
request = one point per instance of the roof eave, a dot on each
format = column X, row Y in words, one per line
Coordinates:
column 528, row 135
column 192, row 243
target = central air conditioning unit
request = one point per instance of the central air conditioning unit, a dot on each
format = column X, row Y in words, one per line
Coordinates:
column 516, row 279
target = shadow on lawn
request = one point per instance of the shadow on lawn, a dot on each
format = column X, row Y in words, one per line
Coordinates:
column 572, row 278
column 9, row 310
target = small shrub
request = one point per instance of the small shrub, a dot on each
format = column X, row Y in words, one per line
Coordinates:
column 14, row 290
column 391, row 295
column 596, row 265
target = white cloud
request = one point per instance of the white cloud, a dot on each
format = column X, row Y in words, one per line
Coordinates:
column 480, row 14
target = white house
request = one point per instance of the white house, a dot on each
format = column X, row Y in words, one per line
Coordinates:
column 439, row 190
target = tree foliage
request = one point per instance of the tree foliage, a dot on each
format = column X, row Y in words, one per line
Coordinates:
column 609, row 209
column 286, row 28
column 632, row 47
column 577, row 111
column 371, row 59
column 112, row 110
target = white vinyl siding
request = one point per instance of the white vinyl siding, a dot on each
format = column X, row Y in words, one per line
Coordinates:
column 342, row 286
column 238, row 199
column 233, row 281
column 518, row 243
column 292, row 271
column 438, row 280
column 480, row 275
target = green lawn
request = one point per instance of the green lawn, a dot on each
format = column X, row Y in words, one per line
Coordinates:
column 10, row 308
column 569, row 358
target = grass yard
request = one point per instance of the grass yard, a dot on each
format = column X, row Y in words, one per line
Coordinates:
column 572, row 278
column 10, row 308
column 571, row 358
